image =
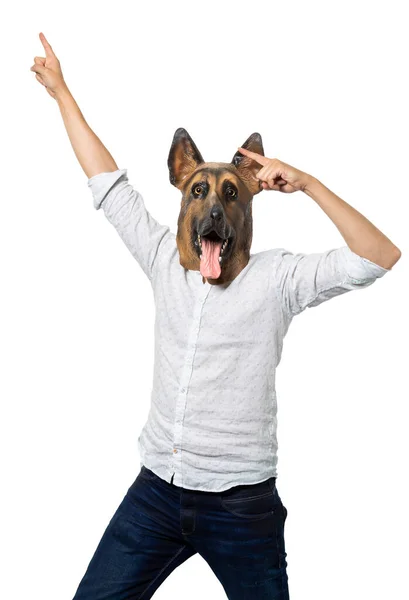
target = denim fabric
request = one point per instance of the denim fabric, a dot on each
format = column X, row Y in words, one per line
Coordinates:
column 159, row 525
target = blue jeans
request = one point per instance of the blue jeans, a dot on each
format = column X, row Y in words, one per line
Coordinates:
column 158, row 526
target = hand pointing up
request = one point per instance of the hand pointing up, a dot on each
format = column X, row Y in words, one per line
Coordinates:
column 48, row 70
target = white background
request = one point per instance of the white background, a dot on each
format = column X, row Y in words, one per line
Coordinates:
column 325, row 85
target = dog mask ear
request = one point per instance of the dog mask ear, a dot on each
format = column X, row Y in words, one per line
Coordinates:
column 183, row 158
column 247, row 167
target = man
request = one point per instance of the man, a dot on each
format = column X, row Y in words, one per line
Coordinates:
column 209, row 449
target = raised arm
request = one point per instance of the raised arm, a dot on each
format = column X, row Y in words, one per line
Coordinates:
column 91, row 153
column 123, row 205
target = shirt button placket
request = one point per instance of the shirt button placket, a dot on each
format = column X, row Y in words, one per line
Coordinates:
column 185, row 379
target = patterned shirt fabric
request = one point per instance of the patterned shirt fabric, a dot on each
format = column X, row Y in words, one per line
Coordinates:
column 212, row 422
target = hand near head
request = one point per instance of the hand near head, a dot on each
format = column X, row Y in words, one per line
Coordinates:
column 277, row 175
column 48, row 70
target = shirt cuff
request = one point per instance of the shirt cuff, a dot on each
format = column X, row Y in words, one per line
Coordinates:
column 101, row 184
column 360, row 268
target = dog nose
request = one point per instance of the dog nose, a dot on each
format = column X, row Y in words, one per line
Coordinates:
column 216, row 213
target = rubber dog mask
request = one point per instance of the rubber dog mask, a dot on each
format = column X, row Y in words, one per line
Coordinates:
column 215, row 224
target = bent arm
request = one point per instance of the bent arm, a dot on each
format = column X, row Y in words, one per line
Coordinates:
column 307, row 280
column 361, row 236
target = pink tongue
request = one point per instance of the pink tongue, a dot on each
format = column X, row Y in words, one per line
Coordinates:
column 209, row 263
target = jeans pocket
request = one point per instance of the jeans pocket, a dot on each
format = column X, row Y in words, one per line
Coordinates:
column 252, row 507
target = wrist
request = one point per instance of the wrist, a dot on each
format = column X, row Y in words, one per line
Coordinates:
column 310, row 185
column 62, row 93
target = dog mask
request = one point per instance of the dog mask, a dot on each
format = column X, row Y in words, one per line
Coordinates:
column 215, row 224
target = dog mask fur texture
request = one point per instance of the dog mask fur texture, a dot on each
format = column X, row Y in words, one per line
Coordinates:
column 216, row 206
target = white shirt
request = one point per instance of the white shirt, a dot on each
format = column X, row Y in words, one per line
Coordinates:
column 213, row 413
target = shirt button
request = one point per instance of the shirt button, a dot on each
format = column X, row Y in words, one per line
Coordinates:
column 174, row 450
column 183, row 390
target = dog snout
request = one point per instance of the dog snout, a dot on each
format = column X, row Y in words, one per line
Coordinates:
column 217, row 213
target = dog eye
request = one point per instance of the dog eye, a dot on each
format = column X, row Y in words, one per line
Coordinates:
column 198, row 189
column 231, row 192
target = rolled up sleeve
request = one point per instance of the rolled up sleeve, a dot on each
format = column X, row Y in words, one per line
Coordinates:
column 307, row 280
column 125, row 209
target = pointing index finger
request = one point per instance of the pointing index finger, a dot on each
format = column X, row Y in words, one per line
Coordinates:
column 259, row 158
column 48, row 50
